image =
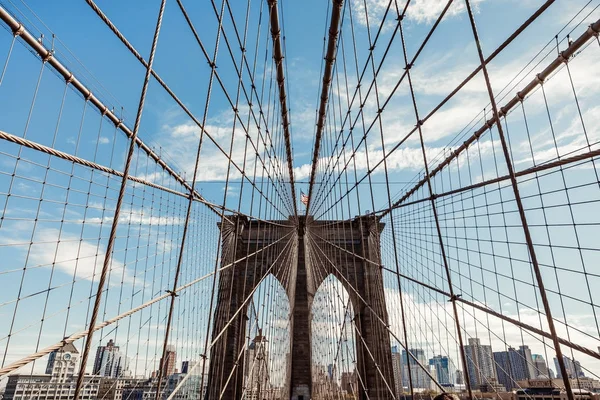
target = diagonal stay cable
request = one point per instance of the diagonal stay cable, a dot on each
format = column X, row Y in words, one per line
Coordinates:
column 75, row 336
column 278, row 58
column 187, row 111
column 495, row 53
column 45, row 54
column 330, row 57
column 561, row 59
column 241, row 307
column 253, row 91
column 478, row 306
column 367, row 305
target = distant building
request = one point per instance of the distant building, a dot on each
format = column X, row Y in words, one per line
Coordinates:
column 419, row 377
column 109, row 361
column 397, row 371
column 256, row 376
column 58, row 383
column 514, row 365
column 168, row 367
column 540, row 366
column 492, row 386
column 111, row 389
column 442, row 369
column 460, row 379
column 541, row 389
column 573, row 368
column 480, row 363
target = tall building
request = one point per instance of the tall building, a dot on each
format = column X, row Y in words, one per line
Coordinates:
column 62, row 363
column 514, row 365
column 480, row 363
column 257, row 368
column 573, row 368
column 419, row 377
column 58, row 383
column 397, row 370
column 442, row 369
column 168, row 367
column 460, row 379
column 527, row 361
column 541, row 368
column 109, row 361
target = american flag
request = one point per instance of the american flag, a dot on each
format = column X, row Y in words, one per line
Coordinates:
column 304, row 198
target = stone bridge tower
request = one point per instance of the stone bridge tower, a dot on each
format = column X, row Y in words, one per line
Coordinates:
column 332, row 244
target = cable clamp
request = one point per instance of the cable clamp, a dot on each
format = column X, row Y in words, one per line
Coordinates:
column 420, row 122
column 539, row 79
column 48, row 56
column 562, row 57
column 172, row 293
column 70, row 78
column 19, row 31
column 592, row 32
column 520, row 96
column 88, row 96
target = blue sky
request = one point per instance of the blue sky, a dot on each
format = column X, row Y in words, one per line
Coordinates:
column 116, row 77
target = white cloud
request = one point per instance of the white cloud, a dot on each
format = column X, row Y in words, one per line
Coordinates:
column 74, row 256
column 419, row 11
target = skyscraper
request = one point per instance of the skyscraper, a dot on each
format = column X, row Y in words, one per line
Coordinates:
column 256, row 367
column 419, row 377
column 573, row 368
column 539, row 363
column 168, row 366
column 526, row 362
column 503, row 368
column 397, row 370
column 442, row 369
column 514, row 365
column 109, row 361
column 480, row 363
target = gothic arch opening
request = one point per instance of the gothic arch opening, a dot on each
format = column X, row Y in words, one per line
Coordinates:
column 333, row 346
column 266, row 350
